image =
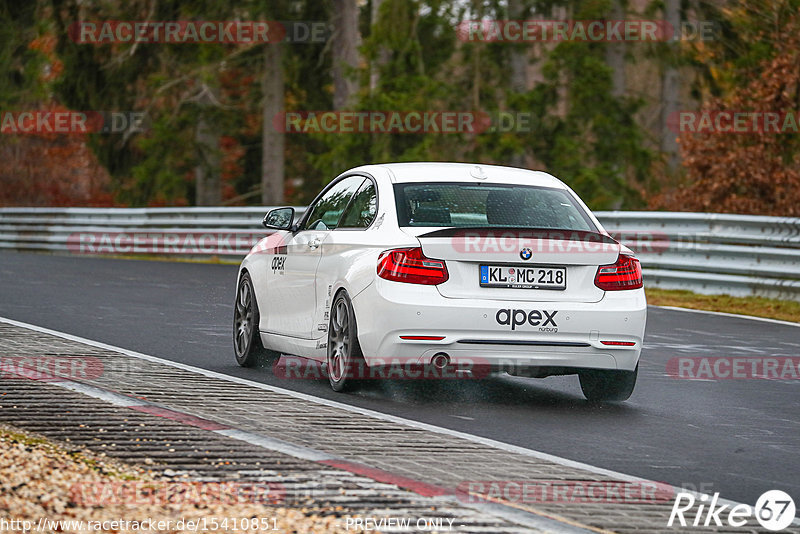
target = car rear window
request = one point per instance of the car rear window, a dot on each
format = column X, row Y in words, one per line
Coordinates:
column 488, row 206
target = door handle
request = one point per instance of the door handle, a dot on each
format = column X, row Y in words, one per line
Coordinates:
column 313, row 244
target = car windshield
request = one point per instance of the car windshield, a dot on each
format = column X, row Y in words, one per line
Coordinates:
column 488, row 206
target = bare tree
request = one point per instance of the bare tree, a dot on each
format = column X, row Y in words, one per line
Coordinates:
column 383, row 53
column 670, row 88
column 273, row 141
column 519, row 53
column 207, row 171
column 344, row 44
column 615, row 53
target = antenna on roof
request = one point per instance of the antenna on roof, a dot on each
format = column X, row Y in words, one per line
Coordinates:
column 478, row 172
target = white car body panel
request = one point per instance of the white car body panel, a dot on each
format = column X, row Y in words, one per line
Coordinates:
column 294, row 295
column 385, row 312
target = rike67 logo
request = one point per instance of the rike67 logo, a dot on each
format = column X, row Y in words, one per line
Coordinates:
column 774, row 510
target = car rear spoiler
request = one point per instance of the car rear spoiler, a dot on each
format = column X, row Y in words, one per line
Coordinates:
column 522, row 233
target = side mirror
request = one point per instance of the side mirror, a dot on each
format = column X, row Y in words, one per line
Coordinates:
column 279, row 219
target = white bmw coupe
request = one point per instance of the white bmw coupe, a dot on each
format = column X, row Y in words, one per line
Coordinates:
column 437, row 266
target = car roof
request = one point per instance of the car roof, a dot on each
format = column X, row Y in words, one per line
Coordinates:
column 458, row 172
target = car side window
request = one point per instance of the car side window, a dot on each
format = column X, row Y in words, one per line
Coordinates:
column 326, row 212
column 362, row 210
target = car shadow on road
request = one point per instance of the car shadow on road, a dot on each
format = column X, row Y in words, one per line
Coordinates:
column 503, row 391
column 558, row 395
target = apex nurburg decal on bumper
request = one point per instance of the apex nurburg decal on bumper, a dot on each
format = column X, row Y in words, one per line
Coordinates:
column 515, row 318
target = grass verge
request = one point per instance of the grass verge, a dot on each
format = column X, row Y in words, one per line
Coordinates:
column 785, row 310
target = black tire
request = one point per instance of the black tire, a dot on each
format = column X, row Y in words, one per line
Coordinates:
column 345, row 360
column 608, row 386
column 247, row 346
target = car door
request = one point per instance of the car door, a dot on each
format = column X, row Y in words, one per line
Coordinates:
column 292, row 288
column 345, row 252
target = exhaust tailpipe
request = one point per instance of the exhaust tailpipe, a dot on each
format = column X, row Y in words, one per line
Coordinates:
column 440, row 360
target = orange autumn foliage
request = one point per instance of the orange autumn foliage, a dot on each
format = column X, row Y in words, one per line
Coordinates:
column 749, row 173
column 49, row 169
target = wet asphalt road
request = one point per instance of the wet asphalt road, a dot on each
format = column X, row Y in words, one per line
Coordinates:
column 738, row 437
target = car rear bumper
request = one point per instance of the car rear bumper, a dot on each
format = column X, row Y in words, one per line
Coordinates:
column 498, row 333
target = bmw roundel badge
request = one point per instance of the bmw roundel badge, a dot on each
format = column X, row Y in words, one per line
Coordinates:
column 525, row 253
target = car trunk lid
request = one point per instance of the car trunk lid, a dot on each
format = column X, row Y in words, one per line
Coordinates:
column 520, row 264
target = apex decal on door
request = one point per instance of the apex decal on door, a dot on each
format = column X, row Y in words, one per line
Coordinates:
column 515, row 318
column 278, row 264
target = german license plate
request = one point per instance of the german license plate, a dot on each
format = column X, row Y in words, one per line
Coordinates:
column 527, row 277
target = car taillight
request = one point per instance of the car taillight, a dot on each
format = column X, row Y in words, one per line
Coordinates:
column 411, row 266
column 626, row 273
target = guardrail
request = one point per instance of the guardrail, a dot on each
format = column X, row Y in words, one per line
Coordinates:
column 702, row 252
column 713, row 253
column 227, row 233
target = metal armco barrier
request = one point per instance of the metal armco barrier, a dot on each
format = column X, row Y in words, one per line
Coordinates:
column 703, row 252
column 225, row 233
column 713, row 253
